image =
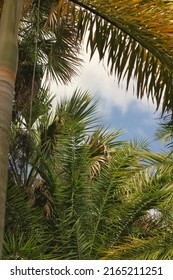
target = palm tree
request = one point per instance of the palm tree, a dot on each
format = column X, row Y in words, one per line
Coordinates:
column 151, row 238
column 112, row 30
column 54, row 50
column 82, row 193
column 137, row 41
column 8, row 63
column 42, row 168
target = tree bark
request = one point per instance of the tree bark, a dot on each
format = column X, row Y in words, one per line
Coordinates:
column 9, row 24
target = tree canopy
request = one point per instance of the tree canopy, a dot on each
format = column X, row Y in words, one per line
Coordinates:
column 83, row 193
column 76, row 191
column 133, row 37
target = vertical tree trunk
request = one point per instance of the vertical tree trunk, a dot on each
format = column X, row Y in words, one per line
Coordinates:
column 9, row 24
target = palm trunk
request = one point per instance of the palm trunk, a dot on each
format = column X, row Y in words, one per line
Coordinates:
column 9, row 23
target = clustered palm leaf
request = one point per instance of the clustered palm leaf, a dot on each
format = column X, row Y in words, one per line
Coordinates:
column 77, row 192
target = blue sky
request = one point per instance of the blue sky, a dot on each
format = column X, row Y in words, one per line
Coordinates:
column 119, row 109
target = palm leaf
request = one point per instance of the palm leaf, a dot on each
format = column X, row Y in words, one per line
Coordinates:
column 101, row 145
column 50, row 38
column 145, row 240
column 132, row 36
column 64, row 213
column 158, row 248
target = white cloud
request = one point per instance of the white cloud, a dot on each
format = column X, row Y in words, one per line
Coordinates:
column 93, row 77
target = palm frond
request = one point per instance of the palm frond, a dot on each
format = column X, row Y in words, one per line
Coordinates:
column 61, row 55
column 20, row 248
column 108, row 193
column 150, row 197
column 25, row 227
column 57, row 48
column 165, row 131
column 74, row 117
column 132, row 37
column 101, row 145
column 158, row 248
column 73, row 216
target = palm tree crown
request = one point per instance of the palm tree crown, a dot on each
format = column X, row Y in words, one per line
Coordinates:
column 82, row 193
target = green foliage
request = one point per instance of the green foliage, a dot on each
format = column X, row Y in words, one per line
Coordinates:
column 132, row 37
column 77, row 192
column 127, row 48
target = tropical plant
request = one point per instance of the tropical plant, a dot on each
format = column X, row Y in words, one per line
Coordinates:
column 43, row 47
column 76, row 191
column 151, row 238
column 135, row 41
column 119, row 29
column 165, row 131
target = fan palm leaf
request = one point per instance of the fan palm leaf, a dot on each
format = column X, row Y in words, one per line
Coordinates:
column 48, row 48
column 57, row 44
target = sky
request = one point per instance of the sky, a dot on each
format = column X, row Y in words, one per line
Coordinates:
column 119, row 109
